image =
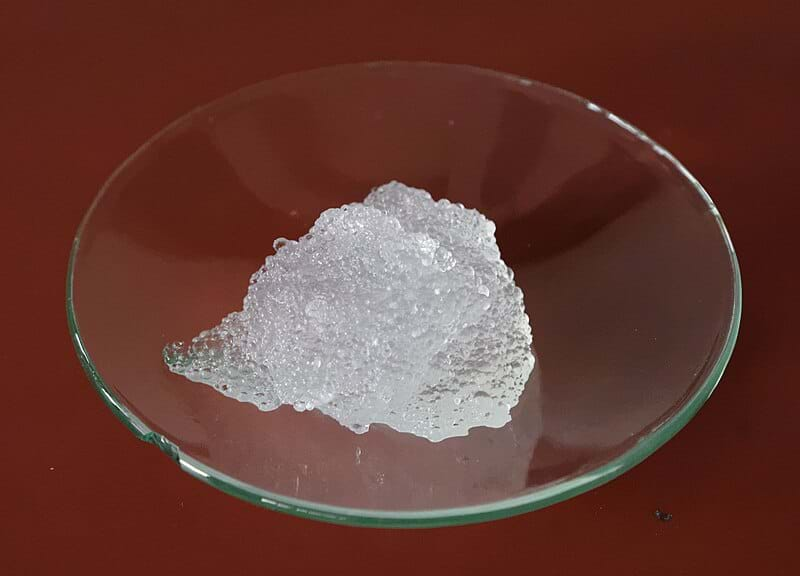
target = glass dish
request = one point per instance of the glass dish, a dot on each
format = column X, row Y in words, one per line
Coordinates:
column 629, row 276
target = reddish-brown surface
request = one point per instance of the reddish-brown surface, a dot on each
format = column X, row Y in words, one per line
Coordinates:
column 80, row 88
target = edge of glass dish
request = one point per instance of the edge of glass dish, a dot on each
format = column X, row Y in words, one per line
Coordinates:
column 546, row 496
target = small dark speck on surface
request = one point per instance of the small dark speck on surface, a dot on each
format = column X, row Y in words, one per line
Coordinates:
column 663, row 516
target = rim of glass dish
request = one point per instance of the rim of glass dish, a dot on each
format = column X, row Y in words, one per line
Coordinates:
column 550, row 494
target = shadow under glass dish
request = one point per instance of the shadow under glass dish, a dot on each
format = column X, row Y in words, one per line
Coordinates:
column 629, row 279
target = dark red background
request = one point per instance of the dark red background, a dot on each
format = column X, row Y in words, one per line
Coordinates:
column 82, row 86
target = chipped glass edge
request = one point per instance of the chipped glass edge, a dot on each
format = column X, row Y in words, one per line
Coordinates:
column 550, row 494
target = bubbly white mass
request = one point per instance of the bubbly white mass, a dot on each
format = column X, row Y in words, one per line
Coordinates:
column 398, row 310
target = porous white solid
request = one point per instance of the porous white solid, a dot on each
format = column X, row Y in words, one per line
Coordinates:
column 398, row 310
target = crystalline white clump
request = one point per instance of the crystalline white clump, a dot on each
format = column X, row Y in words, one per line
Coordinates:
column 397, row 311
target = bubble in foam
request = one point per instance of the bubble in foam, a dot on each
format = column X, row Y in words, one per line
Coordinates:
column 398, row 310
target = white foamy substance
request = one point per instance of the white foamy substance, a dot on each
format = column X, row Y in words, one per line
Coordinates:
column 398, row 310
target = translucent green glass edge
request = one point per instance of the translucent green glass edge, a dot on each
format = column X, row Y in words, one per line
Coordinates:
column 428, row 518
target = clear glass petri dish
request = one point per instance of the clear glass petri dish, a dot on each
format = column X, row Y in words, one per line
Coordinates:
column 629, row 276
